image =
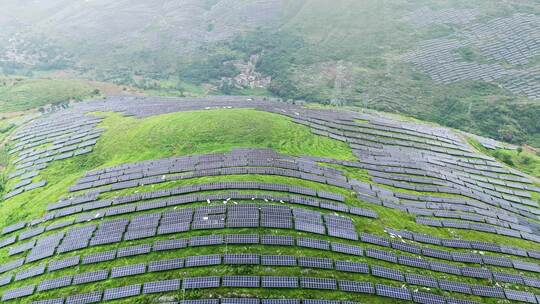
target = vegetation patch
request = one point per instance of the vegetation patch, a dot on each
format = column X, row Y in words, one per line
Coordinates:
column 20, row 94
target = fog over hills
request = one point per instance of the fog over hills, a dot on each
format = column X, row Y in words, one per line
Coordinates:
column 453, row 62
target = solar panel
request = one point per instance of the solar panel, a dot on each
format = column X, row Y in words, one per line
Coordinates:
column 393, row 292
column 467, row 257
column 241, row 281
column 488, row 291
column 522, row 296
column 388, row 273
column 381, row 255
column 436, row 253
column 91, row 276
column 8, row 241
column 284, row 240
column 6, row 279
column 241, row 259
column 139, row 234
column 161, row 286
column 200, row 282
column 242, row 239
column 99, row 257
column 201, row 301
column 363, row 212
column 352, row 266
column 30, row 272
column 278, row 260
column 456, row 243
column 168, row 264
column 442, row 267
column 279, row 282
column 55, row 283
column 317, row 301
column 413, row 262
column 318, row 283
column 134, row 250
column 454, row 286
column 18, row 292
column 353, row 286
column 210, row 223
column 14, row 227
column 64, row 263
column 11, row 265
column 373, row 239
column 73, row 245
column 526, row 266
column 170, row 244
column 427, row 298
column 345, row 248
column 309, row 227
column 121, row 292
column 422, row 238
column 313, row 243
column 240, row 301
column 203, row 260
column 276, row 222
column 22, row 248
column 421, row 280
column 205, row 240
column 42, row 252
column 508, row 277
column 312, row 262
column 485, row 246
column 475, row 272
column 497, row 261
column 173, row 228
column 406, row 247
column 85, row 298
column 49, row 301
column 280, row 301
column 128, row 270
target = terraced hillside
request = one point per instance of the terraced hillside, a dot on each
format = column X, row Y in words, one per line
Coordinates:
column 470, row 65
column 248, row 200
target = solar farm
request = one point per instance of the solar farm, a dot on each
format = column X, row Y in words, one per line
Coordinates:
column 508, row 57
column 356, row 207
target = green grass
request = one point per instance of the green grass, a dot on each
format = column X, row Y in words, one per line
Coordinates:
column 19, row 94
column 523, row 160
column 129, row 139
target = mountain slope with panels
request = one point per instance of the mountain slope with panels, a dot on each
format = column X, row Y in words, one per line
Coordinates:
column 248, row 200
column 506, row 49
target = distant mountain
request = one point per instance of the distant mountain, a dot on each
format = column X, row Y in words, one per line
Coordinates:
column 472, row 65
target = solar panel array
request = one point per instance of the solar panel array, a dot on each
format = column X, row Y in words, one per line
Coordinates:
column 46, row 140
column 86, row 231
column 506, row 54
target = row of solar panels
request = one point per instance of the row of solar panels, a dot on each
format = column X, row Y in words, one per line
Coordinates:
column 251, row 259
column 185, row 284
column 183, row 199
column 466, row 244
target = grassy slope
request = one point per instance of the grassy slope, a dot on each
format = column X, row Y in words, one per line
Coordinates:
column 525, row 161
column 129, row 139
column 23, row 93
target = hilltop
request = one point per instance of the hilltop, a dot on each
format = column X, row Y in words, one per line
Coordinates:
column 236, row 199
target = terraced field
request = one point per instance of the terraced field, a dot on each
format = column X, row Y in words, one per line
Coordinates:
column 247, row 200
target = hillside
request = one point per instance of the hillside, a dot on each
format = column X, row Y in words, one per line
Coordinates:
column 133, row 199
column 471, row 65
column 20, row 94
